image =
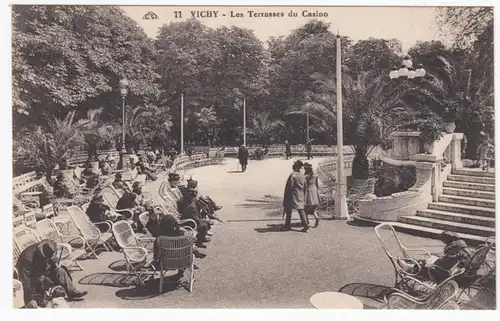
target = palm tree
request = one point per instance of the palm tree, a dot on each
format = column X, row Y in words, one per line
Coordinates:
column 447, row 91
column 52, row 147
column 371, row 111
column 96, row 133
column 263, row 128
column 207, row 120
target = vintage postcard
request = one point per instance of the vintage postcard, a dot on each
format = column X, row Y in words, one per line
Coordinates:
column 313, row 157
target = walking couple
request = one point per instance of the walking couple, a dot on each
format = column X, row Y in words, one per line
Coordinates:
column 301, row 193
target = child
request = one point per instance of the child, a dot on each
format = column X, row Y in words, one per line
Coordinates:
column 486, row 152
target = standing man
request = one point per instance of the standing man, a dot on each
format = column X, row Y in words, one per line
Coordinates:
column 294, row 197
column 309, row 149
column 243, row 157
column 288, row 150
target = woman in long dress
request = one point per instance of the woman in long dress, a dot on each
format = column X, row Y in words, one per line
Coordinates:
column 312, row 192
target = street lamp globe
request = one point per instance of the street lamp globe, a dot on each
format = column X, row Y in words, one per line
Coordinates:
column 394, row 74
column 420, row 71
column 403, row 71
column 411, row 73
column 407, row 61
column 123, row 86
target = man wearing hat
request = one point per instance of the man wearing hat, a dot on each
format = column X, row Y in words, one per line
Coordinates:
column 60, row 189
column 294, row 197
column 134, row 200
column 190, row 208
column 39, row 271
column 288, row 150
column 99, row 212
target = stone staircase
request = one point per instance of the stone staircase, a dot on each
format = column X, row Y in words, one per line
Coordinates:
column 466, row 206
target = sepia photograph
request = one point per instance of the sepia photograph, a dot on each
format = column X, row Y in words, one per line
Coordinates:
column 252, row 157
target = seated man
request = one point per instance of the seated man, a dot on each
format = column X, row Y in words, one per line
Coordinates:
column 105, row 167
column 118, row 183
column 188, row 207
column 145, row 169
column 60, row 189
column 207, row 201
column 454, row 252
column 99, row 212
column 88, row 170
column 135, row 201
column 39, row 272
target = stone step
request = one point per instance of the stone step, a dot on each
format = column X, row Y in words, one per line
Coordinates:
column 466, row 201
column 463, row 209
column 436, row 233
column 467, row 185
column 471, row 179
column 458, row 217
column 449, row 226
column 473, row 172
column 469, row 193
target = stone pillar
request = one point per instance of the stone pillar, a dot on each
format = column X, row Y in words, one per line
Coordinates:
column 456, row 150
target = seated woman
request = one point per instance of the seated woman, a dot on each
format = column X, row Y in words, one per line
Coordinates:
column 167, row 226
column 60, row 189
column 145, row 169
column 454, row 252
column 105, row 167
column 99, row 212
column 118, row 183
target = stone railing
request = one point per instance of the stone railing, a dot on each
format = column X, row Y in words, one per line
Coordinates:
column 431, row 171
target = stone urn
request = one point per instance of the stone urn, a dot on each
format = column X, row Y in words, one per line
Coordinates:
column 449, row 127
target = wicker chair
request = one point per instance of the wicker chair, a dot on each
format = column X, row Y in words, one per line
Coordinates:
column 176, row 253
column 406, row 267
column 48, row 230
column 134, row 249
column 439, row 299
column 91, row 234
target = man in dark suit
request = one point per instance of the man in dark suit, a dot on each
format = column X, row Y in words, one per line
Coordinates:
column 294, row 197
column 189, row 209
column 39, row 271
column 288, row 150
column 243, row 157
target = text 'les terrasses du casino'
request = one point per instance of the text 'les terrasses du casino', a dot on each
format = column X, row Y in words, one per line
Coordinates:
column 249, row 13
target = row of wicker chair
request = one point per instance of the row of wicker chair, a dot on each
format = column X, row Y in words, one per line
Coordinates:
column 412, row 291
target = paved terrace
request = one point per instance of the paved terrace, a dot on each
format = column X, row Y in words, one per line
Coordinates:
column 250, row 264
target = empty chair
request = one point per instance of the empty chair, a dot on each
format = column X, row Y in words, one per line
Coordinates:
column 91, row 234
column 134, row 249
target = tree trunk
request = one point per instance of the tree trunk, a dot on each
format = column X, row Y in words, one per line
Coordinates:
column 360, row 165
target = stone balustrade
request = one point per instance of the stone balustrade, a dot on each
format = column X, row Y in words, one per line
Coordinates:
column 431, row 170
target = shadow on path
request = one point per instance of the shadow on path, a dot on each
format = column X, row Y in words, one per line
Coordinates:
column 277, row 228
column 120, row 280
column 269, row 202
column 234, row 172
column 150, row 290
column 374, row 292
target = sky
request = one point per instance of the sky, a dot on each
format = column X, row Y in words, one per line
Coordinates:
column 408, row 24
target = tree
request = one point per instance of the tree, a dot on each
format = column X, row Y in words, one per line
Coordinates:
column 96, row 133
column 372, row 55
column 53, row 147
column 207, row 121
column 72, row 57
column 371, row 110
column 263, row 128
column 465, row 23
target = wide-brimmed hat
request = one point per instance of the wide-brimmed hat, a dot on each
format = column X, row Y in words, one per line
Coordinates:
column 298, row 164
column 47, row 248
column 136, row 185
column 307, row 165
column 174, row 177
column 192, row 184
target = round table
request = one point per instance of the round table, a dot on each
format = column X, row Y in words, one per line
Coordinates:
column 335, row 300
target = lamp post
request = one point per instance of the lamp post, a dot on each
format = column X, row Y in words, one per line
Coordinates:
column 182, row 124
column 340, row 210
column 123, row 84
column 307, row 128
column 407, row 70
column 244, row 121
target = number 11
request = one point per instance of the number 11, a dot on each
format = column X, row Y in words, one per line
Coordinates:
column 177, row 14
